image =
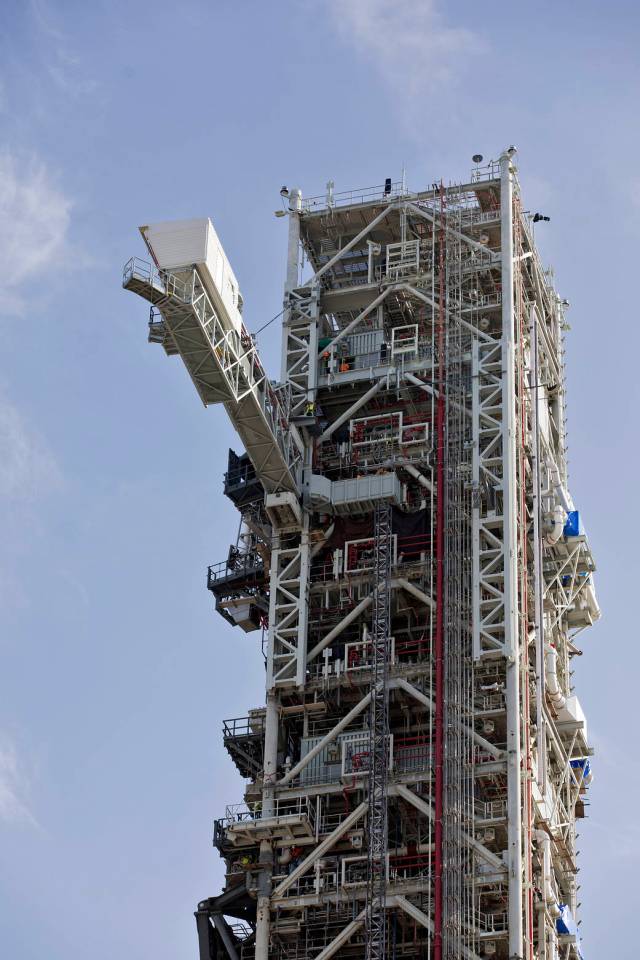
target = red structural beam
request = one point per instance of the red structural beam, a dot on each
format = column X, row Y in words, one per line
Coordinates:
column 439, row 637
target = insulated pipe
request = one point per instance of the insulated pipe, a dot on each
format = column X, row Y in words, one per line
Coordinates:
column 558, row 699
column 556, row 525
column 511, row 618
column 420, row 477
column 550, row 898
column 563, row 496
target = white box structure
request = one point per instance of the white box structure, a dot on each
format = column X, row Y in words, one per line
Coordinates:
column 179, row 245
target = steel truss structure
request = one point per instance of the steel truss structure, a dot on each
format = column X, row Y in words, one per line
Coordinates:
column 409, row 545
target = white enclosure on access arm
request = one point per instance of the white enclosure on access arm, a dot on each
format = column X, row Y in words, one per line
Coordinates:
column 177, row 245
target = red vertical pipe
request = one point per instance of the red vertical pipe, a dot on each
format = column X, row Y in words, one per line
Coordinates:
column 439, row 639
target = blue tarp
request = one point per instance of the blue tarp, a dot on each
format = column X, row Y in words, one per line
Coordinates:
column 567, row 926
column 583, row 764
column 573, row 525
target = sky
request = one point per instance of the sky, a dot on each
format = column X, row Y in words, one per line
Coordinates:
column 116, row 672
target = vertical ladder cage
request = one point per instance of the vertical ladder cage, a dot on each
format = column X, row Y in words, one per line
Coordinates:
column 376, row 923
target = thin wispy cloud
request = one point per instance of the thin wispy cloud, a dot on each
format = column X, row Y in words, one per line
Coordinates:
column 29, row 472
column 28, row 469
column 14, row 786
column 34, row 224
column 408, row 43
column 65, row 67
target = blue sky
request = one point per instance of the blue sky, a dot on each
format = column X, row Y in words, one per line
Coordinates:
column 116, row 671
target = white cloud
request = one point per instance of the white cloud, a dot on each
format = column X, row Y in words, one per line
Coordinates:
column 27, row 467
column 408, row 43
column 13, row 786
column 34, row 222
column 67, row 70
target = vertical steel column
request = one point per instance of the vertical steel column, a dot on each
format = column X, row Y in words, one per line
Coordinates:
column 512, row 639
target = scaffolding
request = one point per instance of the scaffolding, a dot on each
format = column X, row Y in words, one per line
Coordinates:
column 409, row 552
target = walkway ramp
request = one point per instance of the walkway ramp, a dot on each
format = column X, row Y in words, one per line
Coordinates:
column 223, row 364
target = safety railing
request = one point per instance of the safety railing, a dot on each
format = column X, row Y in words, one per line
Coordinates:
column 490, row 171
column 383, row 191
column 489, row 923
column 160, row 280
column 237, row 727
column 296, row 807
column 249, row 564
column 489, row 810
column 411, row 867
column 412, row 754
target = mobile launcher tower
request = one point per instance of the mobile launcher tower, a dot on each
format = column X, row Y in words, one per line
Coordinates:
column 409, row 544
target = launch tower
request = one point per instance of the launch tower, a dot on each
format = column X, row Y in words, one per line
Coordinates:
column 411, row 550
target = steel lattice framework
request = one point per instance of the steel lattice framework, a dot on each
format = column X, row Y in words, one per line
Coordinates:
column 411, row 554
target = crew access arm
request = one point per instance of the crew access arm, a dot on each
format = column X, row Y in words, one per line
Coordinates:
column 195, row 313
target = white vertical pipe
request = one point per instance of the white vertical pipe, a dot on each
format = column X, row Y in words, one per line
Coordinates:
column 534, row 381
column 512, row 639
column 293, row 268
column 268, row 810
column 475, row 479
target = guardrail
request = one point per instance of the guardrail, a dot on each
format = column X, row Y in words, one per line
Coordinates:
column 243, row 727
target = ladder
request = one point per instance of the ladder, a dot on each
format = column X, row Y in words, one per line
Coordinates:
column 375, row 914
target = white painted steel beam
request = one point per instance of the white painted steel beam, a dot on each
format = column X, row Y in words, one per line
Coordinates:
column 327, row 739
column 511, row 620
column 337, row 630
column 371, row 392
column 321, row 849
column 488, row 855
column 496, row 752
column 360, row 236
column 343, row 937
